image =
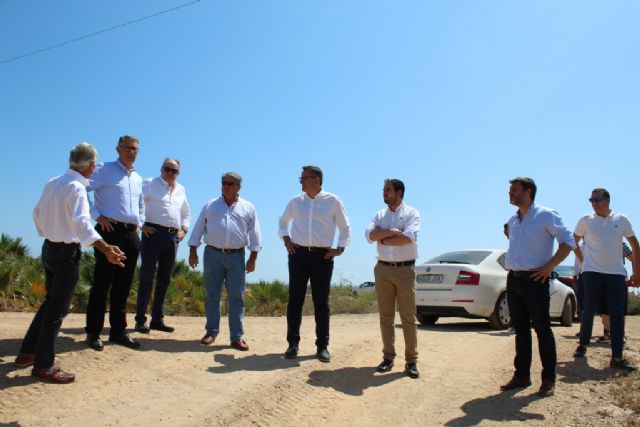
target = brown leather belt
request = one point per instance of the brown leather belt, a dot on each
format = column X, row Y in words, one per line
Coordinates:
column 399, row 263
column 170, row 230
column 312, row 248
column 521, row 273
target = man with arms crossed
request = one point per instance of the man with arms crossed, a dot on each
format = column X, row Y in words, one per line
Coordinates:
column 167, row 222
column 396, row 231
column 314, row 216
column 62, row 218
column 603, row 272
column 227, row 225
column 119, row 211
column 530, row 261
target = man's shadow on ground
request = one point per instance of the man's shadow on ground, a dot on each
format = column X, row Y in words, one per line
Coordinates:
column 352, row 381
column 499, row 408
column 255, row 362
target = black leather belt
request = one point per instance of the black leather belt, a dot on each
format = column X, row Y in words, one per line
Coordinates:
column 521, row 273
column 49, row 242
column 227, row 250
column 398, row 264
column 312, row 248
column 170, row 230
column 125, row 226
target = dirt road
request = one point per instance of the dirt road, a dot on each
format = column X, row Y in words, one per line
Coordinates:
column 173, row 380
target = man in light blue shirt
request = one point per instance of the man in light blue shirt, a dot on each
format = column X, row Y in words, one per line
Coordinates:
column 530, row 260
column 119, row 212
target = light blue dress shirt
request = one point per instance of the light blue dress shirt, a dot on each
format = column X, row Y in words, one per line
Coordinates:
column 531, row 238
column 117, row 193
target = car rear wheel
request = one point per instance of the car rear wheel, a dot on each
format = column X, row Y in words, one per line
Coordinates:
column 500, row 318
column 427, row 319
column 567, row 312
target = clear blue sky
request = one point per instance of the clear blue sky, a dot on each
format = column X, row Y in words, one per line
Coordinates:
column 453, row 97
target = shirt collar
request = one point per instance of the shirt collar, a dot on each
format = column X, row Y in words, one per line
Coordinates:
column 78, row 176
column 400, row 206
column 123, row 167
column 306, row 196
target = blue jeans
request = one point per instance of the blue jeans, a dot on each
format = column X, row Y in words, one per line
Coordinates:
column 227, row 268
column 608, row 290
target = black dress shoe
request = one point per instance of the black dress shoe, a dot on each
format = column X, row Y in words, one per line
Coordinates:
column 411, row 370
column 323, row 355
column 623, row 365
column 95, row 342
column 292, row 352
column 160, row 326
column 385, row 366
column 548, row 388
column 142, row 328
column 125, row 340
column 581, row 351
column 516, row 382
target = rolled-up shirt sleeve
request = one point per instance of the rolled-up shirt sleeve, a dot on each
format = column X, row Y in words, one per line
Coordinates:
column 285, row 218
column 344, row 228
column 80, row 220
column 185, row 214
column 198, row 228
column 559, row 231
column 254, row 233
column 413, row 225
column 371, row 227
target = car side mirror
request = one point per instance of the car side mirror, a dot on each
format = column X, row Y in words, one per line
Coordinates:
column 554, row 275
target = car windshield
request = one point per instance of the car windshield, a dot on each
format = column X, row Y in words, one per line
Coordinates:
column 460, row 257
column 564, row 270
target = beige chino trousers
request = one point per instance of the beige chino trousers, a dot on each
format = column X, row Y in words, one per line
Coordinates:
column 397, row 283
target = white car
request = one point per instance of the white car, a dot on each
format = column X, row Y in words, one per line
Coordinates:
column 473, row 284
column 364, row 287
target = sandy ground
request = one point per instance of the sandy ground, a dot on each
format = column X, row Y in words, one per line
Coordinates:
column 173, row 380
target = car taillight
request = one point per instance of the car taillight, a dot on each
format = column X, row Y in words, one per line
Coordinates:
column 468, row 278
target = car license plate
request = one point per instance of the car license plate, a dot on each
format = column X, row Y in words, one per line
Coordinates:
column 429, row 278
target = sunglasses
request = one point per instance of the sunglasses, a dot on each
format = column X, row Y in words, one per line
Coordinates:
column 229, row 183
column 128, row 148
column 596, row 199
column 170, row 170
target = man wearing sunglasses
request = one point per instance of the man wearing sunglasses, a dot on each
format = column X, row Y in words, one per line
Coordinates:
column 603, row 272
column 119, row 212
column 227, row 225
column 313, row 216
column 167, row 221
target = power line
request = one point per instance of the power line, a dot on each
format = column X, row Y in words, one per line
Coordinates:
column 86, row 36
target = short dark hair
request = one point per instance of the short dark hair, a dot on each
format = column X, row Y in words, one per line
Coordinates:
column 527, row 183
column 131, row 138
column 315, row 170
column 396, row 184
column 604, row 192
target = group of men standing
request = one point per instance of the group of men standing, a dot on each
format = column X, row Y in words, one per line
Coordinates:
column 125, row 204
column 530, row 260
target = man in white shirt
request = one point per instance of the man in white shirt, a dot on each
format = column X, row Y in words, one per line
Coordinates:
column 395, row 229
column 227, row 225
column 307, row 227
column 603, row 272
column 167, row 222
column 62, row 218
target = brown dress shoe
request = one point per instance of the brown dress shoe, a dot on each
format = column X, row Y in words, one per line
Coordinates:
column 24, row 360
column 55, row 375
column 548, row 388
column 207, row 340
column 240, row 345
column 516, row 382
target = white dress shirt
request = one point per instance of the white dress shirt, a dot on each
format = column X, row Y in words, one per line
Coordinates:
column 602, row 242
column 168, row 208
column 406, row 219
column 531, row 238
column 314, row 221
column 227, row 227
column 62, row 213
